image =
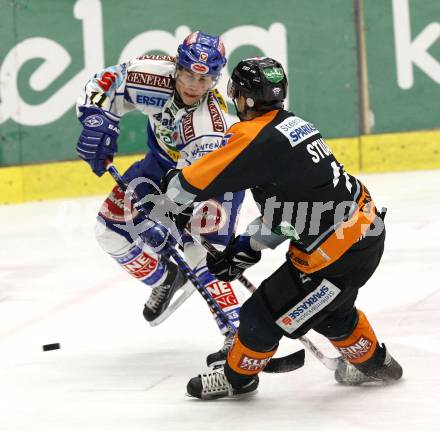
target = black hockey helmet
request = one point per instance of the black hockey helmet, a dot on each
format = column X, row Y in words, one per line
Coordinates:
column 262, row 81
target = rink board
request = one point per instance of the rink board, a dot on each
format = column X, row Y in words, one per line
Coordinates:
column 372, row 153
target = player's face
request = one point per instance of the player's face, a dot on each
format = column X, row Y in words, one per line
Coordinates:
column 192, row 86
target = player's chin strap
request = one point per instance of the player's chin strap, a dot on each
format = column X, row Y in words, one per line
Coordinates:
column 276, row 365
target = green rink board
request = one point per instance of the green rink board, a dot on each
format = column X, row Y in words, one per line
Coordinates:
column 319, row 43
column 50, row 48
column 395, row 108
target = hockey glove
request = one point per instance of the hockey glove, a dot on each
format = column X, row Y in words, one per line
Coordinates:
column 233, row 260
column 97, row 141
column 157, row 236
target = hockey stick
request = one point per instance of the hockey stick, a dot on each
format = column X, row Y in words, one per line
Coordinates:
column 330, row 363
column 275, row 365
column 170, row 252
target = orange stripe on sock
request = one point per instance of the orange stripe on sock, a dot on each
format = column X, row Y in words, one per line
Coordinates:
column 247, row 361
column 361, row 344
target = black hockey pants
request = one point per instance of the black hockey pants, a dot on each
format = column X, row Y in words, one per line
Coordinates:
column 290, row 303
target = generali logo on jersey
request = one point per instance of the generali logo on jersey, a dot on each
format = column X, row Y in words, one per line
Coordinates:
column 188, row 127
column 216, row 118
column 150, row 80
column 158, row 57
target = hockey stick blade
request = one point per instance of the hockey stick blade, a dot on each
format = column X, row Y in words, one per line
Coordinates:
column 286, row 363
column 184, row 293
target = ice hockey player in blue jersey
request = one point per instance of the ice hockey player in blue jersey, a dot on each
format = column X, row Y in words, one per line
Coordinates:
column 187, row 118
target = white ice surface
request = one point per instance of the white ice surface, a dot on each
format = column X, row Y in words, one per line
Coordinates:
column 115, row 373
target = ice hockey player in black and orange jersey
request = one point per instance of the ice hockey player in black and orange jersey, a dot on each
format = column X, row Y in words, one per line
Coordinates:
column 336, row 237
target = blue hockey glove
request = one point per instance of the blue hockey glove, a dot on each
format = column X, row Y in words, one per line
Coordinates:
column 157, row 236
column 97, row 141
column 233, row 260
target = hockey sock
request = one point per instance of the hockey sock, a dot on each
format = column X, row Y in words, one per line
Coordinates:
column 146, row 267
column 361, row 345
column 244, row 363
column 223, row 293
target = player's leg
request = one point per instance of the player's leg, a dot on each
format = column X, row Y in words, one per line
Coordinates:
column 216, row 220
column 255, row 342
column 349, row 330
column 288, row 303
column 366, row 360
column 117, row 233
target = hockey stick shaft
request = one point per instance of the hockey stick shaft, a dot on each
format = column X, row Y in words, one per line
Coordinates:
column 330, row 363
column 189, row 273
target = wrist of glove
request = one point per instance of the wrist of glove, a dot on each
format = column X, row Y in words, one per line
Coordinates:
column 98, row 140
column 157, row 236
column 230, row 264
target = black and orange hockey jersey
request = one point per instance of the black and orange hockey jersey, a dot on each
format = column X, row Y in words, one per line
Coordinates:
column 303, row 191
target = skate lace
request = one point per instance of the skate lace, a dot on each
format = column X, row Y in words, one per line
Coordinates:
column 215, row 382
column 158, row 294
column 352, row 374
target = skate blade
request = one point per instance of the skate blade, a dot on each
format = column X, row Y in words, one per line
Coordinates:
column 178, row 299
column 226, row 397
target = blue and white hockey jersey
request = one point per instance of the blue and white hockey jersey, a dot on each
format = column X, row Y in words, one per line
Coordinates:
column 176, row 137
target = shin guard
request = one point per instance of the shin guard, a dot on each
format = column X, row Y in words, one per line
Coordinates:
column 144, row 265
column 360, row 345
column 224, row 294
column 244, row 360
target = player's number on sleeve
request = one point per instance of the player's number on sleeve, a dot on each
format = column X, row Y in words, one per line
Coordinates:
column 337, row 171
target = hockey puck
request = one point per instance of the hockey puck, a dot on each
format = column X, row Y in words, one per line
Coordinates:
column 54, row 346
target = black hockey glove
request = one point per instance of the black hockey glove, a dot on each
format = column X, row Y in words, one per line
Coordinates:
column 233, row 260
column 184, row 213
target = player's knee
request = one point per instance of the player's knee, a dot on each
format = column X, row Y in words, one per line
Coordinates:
column 110, row 241
column 257, row 327
column 338, row 326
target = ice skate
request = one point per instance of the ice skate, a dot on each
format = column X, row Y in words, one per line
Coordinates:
column 389, row 371
column 215, row 385
column 161, row 296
